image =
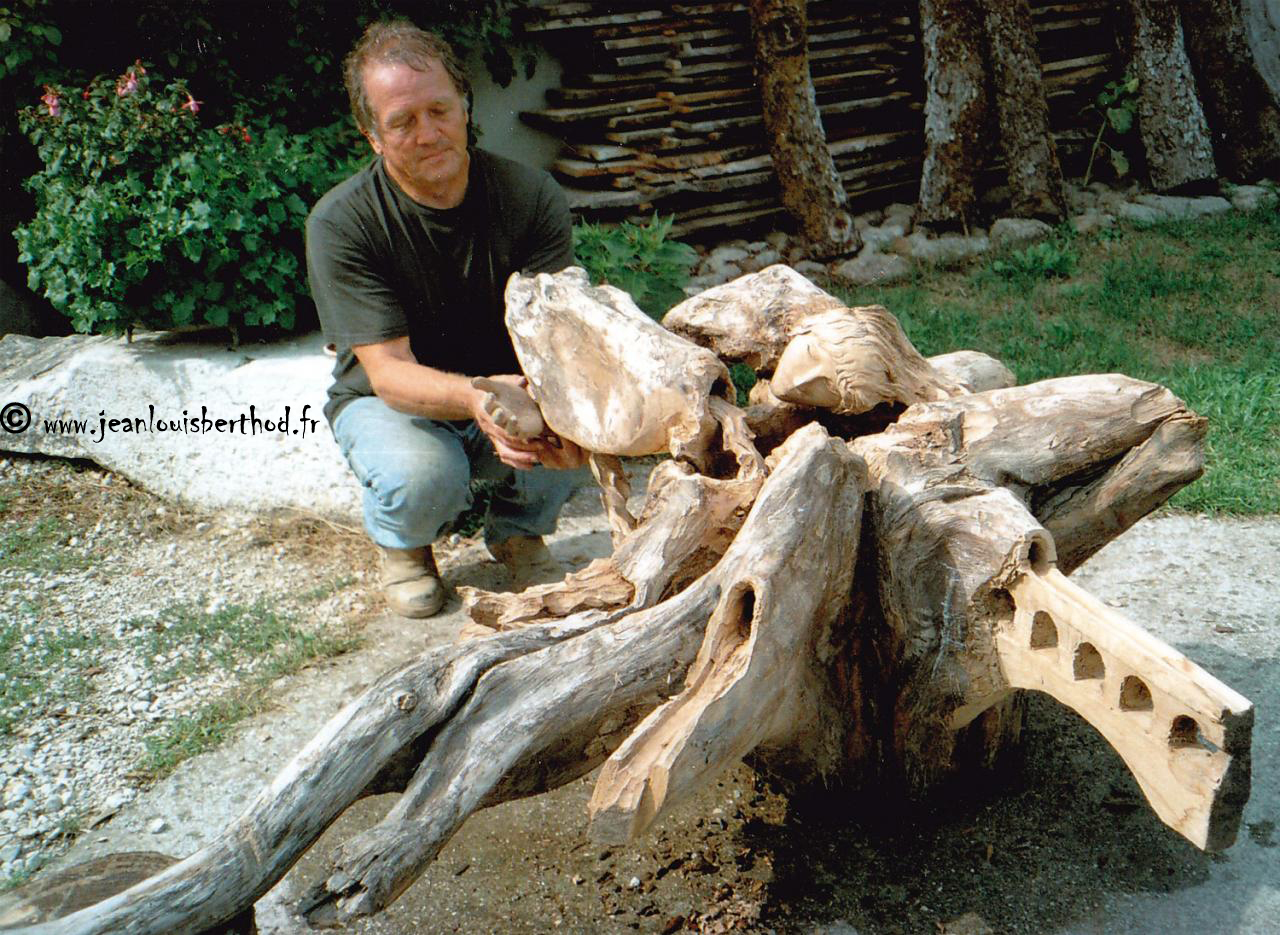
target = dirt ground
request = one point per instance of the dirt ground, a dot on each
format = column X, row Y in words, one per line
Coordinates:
column 1061, row 841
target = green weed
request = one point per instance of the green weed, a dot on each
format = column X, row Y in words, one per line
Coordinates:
column 208, row 727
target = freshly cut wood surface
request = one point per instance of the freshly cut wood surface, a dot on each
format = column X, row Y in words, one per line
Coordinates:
column 1183, row 734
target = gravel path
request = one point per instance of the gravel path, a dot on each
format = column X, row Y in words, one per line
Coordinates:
column 122, row 618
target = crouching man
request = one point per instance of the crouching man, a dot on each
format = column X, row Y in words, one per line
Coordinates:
column 407, row 261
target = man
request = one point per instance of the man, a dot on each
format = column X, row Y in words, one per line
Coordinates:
column 408, row 260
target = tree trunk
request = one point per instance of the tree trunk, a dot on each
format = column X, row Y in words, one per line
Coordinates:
column 955, row 110
column 1030, row 154
column 811, row 188
column 1171, row 120
column 1242, row 109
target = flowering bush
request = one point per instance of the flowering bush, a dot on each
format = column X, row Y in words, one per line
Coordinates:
column 147, row 218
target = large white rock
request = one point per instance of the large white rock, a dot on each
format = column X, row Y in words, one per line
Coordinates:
column 157, row 387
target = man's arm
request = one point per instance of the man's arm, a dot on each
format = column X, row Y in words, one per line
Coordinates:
column 408, row 386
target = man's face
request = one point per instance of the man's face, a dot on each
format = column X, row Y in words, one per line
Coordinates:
column 420, row 128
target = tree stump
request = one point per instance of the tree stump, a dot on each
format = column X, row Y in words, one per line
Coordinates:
column 854, row 597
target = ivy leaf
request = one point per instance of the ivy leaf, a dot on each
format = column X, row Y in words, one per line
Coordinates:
column 1120, row 118
column 1119, row 163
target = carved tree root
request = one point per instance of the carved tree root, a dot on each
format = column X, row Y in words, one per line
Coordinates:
column 963, row 564
column 686, row 524
column 757, row 679
column 958, row 564
column 1183, row 734
column 832, row 654
column 542, row 720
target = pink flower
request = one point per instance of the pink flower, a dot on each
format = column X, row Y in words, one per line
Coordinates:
column 192, row 104
column 50, row 100
column 127, row 84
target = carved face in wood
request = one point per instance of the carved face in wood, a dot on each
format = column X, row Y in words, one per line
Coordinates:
column 852, row 360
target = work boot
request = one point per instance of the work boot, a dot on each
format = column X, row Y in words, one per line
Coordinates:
column 528, row 559
column 411, row 583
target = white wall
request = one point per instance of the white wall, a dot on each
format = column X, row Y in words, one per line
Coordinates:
column 496, row 111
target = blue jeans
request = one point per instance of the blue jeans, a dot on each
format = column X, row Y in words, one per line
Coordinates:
column 417, row 475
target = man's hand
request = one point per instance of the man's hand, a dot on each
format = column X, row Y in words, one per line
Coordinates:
column 522, row 453
column 562, row 458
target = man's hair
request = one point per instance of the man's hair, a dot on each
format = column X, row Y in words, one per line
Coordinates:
column 398, row 41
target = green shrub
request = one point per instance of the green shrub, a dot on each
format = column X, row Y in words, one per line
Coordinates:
column 146, row 218
column 1044, row 260
column 638, row 259
column 27, row 39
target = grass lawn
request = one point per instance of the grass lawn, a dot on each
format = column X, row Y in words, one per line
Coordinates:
column 1193, row 305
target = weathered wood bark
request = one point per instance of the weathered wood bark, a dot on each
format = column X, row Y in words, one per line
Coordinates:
column 611, row 379
column 346, row 757
column 955, row 110
column 1242, row 110
column 1175, row 135
column 750, row 319
column 760, row 677
column 687, row 522
column 1030, row 154
column 811, row 188
column 601, row 370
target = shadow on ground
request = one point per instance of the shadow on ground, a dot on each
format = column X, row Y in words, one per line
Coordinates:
column 1060, row 841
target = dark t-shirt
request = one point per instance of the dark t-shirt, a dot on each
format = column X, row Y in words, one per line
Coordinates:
column 382, row 266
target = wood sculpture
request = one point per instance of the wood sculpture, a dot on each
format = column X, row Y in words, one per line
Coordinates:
column 854, row 597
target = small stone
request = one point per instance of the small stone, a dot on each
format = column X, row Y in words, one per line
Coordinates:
column 723, row 256
column 1010, row 233
column 1252, row 197
column 1175, row 206
column 1091, row 221
column 878, row 238
column 899, row 211
column 864, row 222
column 760, row 260
column 872, row 268
column 778, row 240
column 1139, row 214
column 10, row 852
column 157, row 826
column 810, row 268
column 633, row 883
column 946, row 250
